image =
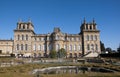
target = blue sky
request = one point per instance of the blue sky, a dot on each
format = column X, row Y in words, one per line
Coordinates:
column 66, row 14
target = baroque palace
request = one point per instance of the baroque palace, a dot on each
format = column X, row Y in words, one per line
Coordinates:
column 29, row 44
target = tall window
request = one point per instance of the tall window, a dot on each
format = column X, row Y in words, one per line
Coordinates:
column 75, row 48
column 96, row 47
column 18, row 37
column 88, row 47
column 21, row 46
column 50, row 46
column 91, row 37
column 79, row 47
column 43, row 47
column 87, row 37
column 34, row 47
column 65, row 47
column 92, row 47
column 95, row 37
column 22, row 37
column 70, row 47
column 74, row 38
column 17, row 46
column 42, row 39
column 26, row 47
column 39, row 47
column 26, row 37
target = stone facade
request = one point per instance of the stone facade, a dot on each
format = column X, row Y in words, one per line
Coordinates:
column 6, row 46
column 27, row 43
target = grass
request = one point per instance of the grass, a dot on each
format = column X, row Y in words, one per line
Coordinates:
column 23, row 70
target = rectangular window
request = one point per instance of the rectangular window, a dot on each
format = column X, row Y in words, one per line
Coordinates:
column 70, row 47
column 22, row 37
column 17, row 46
column 43, row 47
column 18, row 37
column 88, row 47
column 26, row 47
column 79, row 47
column 34, row 47
column 26, row 37
column 39, row 47
column 21, row 46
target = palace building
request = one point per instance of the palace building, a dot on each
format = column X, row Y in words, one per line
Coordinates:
column 27, row 43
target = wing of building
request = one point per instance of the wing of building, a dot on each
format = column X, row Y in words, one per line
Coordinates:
column 27, row 43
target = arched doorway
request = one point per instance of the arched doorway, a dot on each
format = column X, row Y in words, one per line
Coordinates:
column 70, row 55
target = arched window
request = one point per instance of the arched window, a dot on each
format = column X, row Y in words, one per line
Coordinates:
column 75, row 55
column 22, row 37
column 18, row 37
column 92, row 47
column 70, row 47
column 26, row 47
column 17, row 46
column 70, row 55
column 88, row 47
column 21, row 46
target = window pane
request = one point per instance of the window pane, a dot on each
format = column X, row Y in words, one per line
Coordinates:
column 22, row 37
column 26, row 37
column 17, row 46
column 26, row 46
column 21, row 46
column 34, row 47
